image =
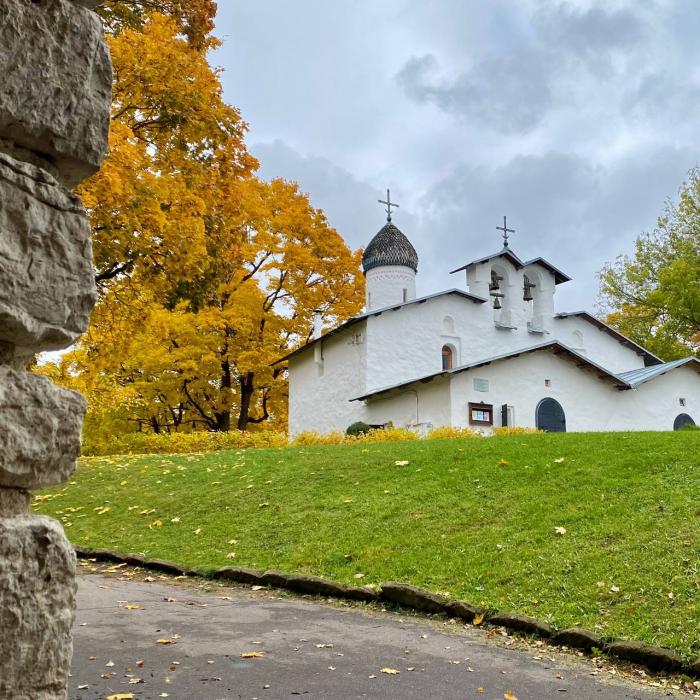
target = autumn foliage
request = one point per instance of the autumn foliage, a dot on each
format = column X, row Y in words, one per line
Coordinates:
column 206, row 273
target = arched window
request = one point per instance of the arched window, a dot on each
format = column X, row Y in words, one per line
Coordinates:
column 447, row 357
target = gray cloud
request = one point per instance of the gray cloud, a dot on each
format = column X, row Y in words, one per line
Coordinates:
column 577, row 119
column 510, row 93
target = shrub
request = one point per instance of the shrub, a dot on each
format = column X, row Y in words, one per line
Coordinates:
column 515, row 430
column 164, row 443
column 689, row 426
column 311, row 438
column 357, row 428
column 388, row 435
column 447, row 432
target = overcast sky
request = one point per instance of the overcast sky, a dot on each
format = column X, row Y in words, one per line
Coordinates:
column 576, row 119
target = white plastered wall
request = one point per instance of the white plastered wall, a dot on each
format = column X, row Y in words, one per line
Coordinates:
column 418, row 407
column 324, row 378
column 389, row 284
column 589, row 403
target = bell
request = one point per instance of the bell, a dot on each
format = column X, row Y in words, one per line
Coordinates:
column 527, row 296
column 496, row 303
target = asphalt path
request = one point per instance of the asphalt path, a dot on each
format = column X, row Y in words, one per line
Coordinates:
column 159, row 638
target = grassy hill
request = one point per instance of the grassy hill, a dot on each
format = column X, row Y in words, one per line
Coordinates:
column 476, row 518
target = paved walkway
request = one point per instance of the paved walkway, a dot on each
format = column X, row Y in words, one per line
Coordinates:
column 163, row 639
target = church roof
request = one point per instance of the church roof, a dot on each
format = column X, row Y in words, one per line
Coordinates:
column 553, row 345
column 518, row 264
column 378, row 312
column 390, row 247
column 503, row 253
column 649, row 358
column 638, row 376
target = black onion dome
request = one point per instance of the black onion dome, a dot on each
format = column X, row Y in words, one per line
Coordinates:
column 390, row 247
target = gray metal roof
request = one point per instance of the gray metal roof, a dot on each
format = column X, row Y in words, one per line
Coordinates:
column 554, row 345
column 378, row 312
column 635, row 377
column 559, row 276
column 389, row 247
column 507, row 253
column 503, row 253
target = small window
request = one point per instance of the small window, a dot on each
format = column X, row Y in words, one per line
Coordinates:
column 480, row 384
column 681, row 402
column 446, row 357
column 480, row 414
column 405, row 295
column 548, row 382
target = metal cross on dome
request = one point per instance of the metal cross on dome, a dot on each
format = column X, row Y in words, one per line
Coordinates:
column 506, row 231
column 389, row 204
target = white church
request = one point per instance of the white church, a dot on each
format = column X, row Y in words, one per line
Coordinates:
column 494, row 354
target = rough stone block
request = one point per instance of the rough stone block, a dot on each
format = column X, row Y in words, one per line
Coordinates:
column 14, row 502
column 520, row 623
column 239, row 575
column 37, row 597
column 40, row 426
column 578, row 638
column 47, row 287
column 56, row 83
column 462, row 610
column 655, row 658
column 412, row 597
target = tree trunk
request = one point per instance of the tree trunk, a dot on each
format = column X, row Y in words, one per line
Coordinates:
column 223, row 419
column 247, row 389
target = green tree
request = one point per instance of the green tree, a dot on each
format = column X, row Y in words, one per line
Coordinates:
column 653, row 296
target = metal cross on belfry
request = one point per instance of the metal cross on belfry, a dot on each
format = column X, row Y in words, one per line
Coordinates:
column 389, row 204
column 506, row 231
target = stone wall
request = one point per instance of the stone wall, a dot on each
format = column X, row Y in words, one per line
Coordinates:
column 54, row 116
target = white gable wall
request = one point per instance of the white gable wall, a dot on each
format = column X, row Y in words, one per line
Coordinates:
column 598, row 346
column 324, row 378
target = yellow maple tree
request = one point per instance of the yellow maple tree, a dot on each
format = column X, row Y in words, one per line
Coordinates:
column 206, row 273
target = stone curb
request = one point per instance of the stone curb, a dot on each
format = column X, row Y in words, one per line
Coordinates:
column 416, row 598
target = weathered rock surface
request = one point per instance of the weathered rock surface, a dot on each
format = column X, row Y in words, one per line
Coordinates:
column 37, row 596
column 412, row 597
column 578, row 638
column 14, row 502
column 40, row 426
column 462, row 609
column 239, row 574
column 56, row 83
column 47, row 287
column 520, row 623
column 655, row 658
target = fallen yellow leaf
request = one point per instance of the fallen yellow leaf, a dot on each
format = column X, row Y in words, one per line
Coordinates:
column 401, row 462
column 252, row 654
column 509, row 695
column 121, row 696
column 478, row 619
column 164, row 641
column 389, row 671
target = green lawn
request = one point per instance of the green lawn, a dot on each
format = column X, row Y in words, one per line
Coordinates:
column 475, row 518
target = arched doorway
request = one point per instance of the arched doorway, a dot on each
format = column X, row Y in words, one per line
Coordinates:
column 682, row 419
column 550, row 416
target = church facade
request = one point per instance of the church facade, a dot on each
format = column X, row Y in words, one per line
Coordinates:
column 495, row 353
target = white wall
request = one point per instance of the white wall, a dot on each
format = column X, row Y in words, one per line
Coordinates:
column 598, row 345
column 421, row 407
column 389, row 284
column 323, row 379
column 589, row 403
